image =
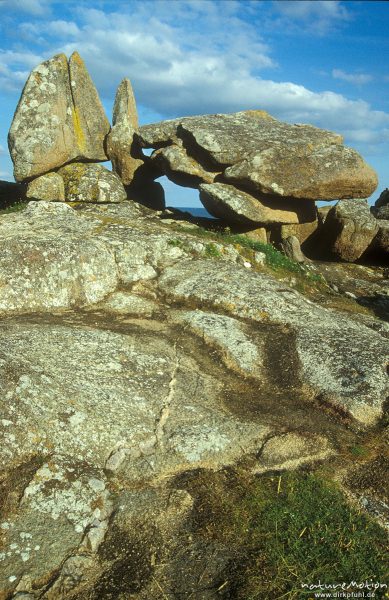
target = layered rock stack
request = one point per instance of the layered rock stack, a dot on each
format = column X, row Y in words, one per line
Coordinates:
column 58, row 136
column 253, row 172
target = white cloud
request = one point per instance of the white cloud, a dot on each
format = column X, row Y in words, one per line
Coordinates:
column 355, row 78
column 196, row 59
column 2, row 149
column 321, row 14
column 35, row 8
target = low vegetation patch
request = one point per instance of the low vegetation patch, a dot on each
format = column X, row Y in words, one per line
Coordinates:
column 289, row 532
column 275, row 259
column 11, row 208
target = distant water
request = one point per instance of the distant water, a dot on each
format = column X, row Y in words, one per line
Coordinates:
column 196, row 211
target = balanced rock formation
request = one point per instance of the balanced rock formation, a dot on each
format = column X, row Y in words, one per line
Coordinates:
column 349, row 229
column 88, row 182
column 120, row 141
column 259, row 158
column 59, row 119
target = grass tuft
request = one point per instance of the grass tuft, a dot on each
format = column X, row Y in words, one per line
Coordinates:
column 288, row 530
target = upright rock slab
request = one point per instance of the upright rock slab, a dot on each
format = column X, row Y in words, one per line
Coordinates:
column 349, row 229
column 120, row 141
column 59, row 118
column 90, row 123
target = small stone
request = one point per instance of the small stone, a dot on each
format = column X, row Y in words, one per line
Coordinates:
column 91, row 183
column 49, row 187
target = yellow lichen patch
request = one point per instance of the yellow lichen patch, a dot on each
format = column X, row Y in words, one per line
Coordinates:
column 79, row 133
column 258, row 114
column 77, row 58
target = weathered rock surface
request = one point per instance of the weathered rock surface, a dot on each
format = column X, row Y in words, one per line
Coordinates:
column 302, row 231
column 258, row 152
column 381, row 240
column 175, row 162
column 89, row 119
column 383, row 199
column 49, row 187
column 349, row 229
column 321, row 337
column 131, row 365
column 59, row 118
column 292, row 249
column 224, row 201
column 88, row 182
column 120, row 141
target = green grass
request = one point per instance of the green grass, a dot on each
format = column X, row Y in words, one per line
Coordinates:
column 15, row 207
column 275, row 259
column 212, row 251
column 288, row 530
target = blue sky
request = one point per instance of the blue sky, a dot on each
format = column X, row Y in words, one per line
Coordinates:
column 319, row 62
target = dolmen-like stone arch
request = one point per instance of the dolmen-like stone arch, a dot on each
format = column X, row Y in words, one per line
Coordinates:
column 252, row 171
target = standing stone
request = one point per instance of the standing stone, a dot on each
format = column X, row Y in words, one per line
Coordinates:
column 56, row 122
column 42, row 136
column 91, row 125
column 120, row 142
column 226, row 202
column 91, row 183
column 291, row 248
column 47, row 187
column 349, row 229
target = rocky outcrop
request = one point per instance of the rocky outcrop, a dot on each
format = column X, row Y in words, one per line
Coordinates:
column 349, row 229
column 226, row 202
column 130, row 364
column 120, row 141
column 321, row 338
column 49, row 187
column 88, row 182
column 257, row 152
column 59, row 118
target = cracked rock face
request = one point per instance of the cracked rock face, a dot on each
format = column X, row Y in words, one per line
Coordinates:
column 348, row 377
column 85, row 405
column 59, row 118
column 257, row 152
column 129, row 364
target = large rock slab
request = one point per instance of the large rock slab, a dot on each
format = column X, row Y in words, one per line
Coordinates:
column 120, row 141
column 59, row 118
column 258, row 152
column 88, row 182
column 224, row 201
column 349, row 229
column 341, row 360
